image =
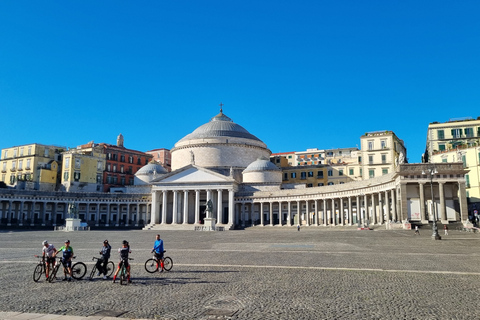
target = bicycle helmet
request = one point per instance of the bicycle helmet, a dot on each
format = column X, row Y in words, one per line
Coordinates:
column 106, row 241
column 125, row 242
column 44, row 242
column 67, row 241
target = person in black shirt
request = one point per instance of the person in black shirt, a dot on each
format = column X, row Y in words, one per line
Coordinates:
column 124, row 251
column 102, row 262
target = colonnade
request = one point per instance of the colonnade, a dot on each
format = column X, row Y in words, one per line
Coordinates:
column 188, row 206
column 361, row 209
column 53, row 212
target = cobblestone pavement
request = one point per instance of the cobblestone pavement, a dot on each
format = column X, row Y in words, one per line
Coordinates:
column 260, row 273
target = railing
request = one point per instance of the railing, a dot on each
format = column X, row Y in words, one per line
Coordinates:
column 64, row 228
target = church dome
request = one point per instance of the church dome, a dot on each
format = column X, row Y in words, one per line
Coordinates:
column 261, row 164
column 149, row 172
column 218, row 144
column 219, row 126
column 262, row 171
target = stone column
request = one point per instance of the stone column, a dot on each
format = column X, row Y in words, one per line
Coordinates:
column 21, row 215
column 307, row 213
column 358, row 210
column 387, row 207
column 380, row 207
column 242, row 213
column 443, row 213
column 350, row 212
column 219, row 207
column 271, row 213
column 324, row 216
column 316, row 213
column 299, row 213
column 342, row 213
column 421, row 192
column 118, row 215
column 97, row 220
column 44, row 213
column 289, row 214
column 462, row 196
column 394, row 205
column 127, row 219
column 403, row 212
column 185, row 207
column 280, row 216
column 365, row 216
column 262, row 222
column 197, row 206
column 138, row 215
column 374, row 209
column 175, row 210
column 231, row 207
column 155, row 206
column 333, row 213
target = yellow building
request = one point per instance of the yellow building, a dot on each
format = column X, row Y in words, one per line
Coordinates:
column 32, row 166
column 464, row 132
column 382, row 153
column 83, row 168
column 470, row 157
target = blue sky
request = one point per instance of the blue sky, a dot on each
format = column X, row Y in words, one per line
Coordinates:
column 297, row 74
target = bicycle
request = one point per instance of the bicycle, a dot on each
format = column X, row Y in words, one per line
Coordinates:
column 153, row 264
column 78, row 270
column 124, row 273
column 110, row 268
column 40, row 268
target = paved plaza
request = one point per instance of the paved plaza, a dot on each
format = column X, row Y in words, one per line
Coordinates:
column 260, row 273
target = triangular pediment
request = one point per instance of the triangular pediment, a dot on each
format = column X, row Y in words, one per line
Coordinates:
column 192, row 174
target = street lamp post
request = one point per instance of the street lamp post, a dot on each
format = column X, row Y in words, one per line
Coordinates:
column 431, row 171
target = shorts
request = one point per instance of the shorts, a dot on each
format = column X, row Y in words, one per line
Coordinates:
column 158, row 256
column 50, row 260
column 67, row 264
column 123, row 262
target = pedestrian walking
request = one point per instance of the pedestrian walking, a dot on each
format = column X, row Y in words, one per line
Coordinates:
column 445, row 229
column 298, row 227
column 417, row 231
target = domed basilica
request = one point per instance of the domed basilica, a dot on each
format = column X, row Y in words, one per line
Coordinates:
column 222, row 172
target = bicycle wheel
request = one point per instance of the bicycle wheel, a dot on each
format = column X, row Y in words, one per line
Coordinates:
column 53, row 275
column 92, row 274
column 110, row 268
column 167, row 263
column 78, row 270
column 122, row 275
column 37, row 273
column 151, row 265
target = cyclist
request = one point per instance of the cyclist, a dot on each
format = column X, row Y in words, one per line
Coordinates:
column 48, row 252
column 67, row 251
column 124, row 251
column 158, row 250
column 102, row 262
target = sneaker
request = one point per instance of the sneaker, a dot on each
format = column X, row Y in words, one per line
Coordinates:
column 98, row 273
column 64, row 279
column 161, row 270
column 113, row 280
column 104, row 277
column 69, row 279
column 129, row 281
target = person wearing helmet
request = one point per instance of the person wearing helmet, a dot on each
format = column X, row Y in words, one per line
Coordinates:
column 48, row 254
column 124, row 251
column 67, row 251
column 102, row 262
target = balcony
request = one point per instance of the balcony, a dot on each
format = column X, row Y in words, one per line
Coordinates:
column 13, row 169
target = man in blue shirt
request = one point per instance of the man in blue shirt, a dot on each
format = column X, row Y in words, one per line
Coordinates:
column 158, row 250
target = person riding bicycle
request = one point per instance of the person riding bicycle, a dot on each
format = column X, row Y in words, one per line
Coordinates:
column 67, row 251
column 158, row 251
column 48, row 255
column 124, row 251
column 102, row 262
